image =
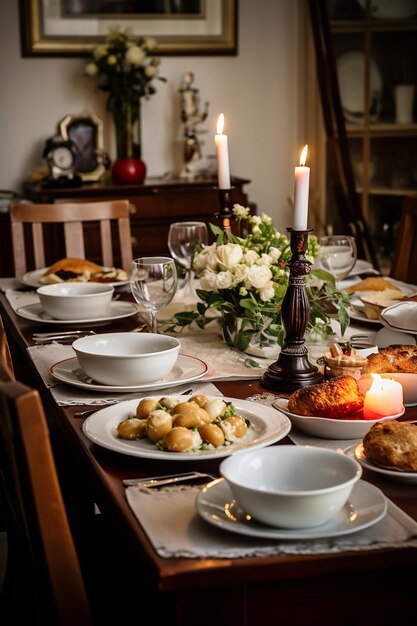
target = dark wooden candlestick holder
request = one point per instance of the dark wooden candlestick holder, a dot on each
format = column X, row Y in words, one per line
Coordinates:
column 293, row 370
column 225, row 214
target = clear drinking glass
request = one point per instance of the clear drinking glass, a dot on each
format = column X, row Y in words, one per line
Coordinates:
column 183, row 238
column 337, row 255
column 153, row 283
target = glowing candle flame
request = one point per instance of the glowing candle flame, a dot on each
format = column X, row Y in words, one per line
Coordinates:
column 303, row 156
column 220, row 124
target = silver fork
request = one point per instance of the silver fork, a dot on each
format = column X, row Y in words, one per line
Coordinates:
column 159, row 481
column 62, row 337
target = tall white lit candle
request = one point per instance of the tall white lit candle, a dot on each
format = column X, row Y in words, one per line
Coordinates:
column 222, row 153
column 301, row 190
column 385, row 397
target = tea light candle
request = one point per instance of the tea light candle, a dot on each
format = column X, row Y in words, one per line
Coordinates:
column 385, row 397
column 222, row 152
column 301, row 190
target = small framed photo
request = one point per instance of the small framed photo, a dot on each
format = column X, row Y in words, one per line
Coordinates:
column 86, row 133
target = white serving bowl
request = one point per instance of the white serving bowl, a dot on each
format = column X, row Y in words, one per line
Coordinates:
column 127, row 359
column 330, row 428
column 75, row 301
column 291, row 486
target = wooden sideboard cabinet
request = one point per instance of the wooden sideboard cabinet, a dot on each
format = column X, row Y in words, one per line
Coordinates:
column 155, row 205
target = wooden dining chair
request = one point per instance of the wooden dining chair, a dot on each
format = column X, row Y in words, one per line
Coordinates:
column 73, row 216
column 404, row 263
column 43, row 583
column 7, row 369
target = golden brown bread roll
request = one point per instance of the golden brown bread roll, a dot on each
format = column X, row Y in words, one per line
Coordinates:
column 373, row 283
column 397, row 358
column 71, row 264
column 392, row 445
column 338, row 397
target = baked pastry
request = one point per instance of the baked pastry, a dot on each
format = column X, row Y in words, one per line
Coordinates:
column 392, row 445
column 70, row 269
column 372, row 283
column 338, row 397
column 397, row 358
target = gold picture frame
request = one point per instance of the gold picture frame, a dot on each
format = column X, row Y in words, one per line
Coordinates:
column 65, row 28
column 86, row 133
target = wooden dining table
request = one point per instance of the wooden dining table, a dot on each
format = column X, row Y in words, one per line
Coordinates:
column 355, row 587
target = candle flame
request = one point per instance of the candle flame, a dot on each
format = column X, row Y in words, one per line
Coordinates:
column 303, row 157
column 220, row 124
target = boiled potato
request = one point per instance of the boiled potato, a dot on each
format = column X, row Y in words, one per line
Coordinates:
column 158, row 424
column 169, row 402
column 233, row 427
column 131, row 428
column 146, row 406
column 215, row 408
column 200, row 400
column 180, row 439
column 212, row 434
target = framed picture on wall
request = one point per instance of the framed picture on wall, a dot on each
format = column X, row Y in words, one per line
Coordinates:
column 181, row 27
column 86, row 133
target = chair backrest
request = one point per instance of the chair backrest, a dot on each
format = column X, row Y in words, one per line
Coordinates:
column 43, row 582
column 72, row 215
column 6, row 370
column 404, row 263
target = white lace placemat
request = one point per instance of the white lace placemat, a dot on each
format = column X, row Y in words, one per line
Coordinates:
column 175, row 529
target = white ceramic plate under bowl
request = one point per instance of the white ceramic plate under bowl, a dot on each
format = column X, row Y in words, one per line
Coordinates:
column 186, row 370
column 31, row 279
column 366, row 506
column 328, row 428
column 360, row 267
column 116, row 310
column 359, row 454
column 267, row 426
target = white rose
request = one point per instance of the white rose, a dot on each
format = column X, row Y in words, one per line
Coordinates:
column 229, row 255
column 135, row 55
column 224, row 280
column 99, row 52
column 251, row 257
column 274, row 253
column 258, row 276
column 264, row 260
column 266, row 219
column 204, row 258
column 240, row 211
column 151, row 71
column 151, row 43
column 240, row 272
column 91, row 69
column 267, row 292
column 208, row 280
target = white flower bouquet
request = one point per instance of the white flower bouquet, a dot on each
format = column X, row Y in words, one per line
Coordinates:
column 246, row 279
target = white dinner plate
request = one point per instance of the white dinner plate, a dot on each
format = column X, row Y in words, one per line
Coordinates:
column 359, row 454
column 366, row 506
column 351, row 70
column 186, row 370
column 31, row 279
column 328, row 428
column 267, row 426
column 358, row 316
column 401, row 316
column 117, row 310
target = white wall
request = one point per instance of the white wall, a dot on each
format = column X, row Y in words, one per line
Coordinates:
column 256, row 90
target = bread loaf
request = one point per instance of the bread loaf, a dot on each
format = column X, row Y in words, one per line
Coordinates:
column 338, row 397
column 397, row 358
column 373, row 283
column 392, row 445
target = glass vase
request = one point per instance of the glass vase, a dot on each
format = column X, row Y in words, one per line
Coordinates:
column 239, row 333
column 128, row 168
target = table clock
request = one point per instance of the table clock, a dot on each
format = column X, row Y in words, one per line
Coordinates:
column 60, row 155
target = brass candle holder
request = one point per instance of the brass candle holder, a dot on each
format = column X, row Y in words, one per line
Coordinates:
column 224, row 216
column 293, row 369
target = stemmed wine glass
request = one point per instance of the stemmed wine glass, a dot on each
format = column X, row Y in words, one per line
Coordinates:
column 183, row 237
column 337, row 254
column 153, row 283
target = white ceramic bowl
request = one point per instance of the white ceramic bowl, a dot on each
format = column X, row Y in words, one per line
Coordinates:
column 127, row 359
column 291, row 486
column 330, row 428
column 75, row 301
